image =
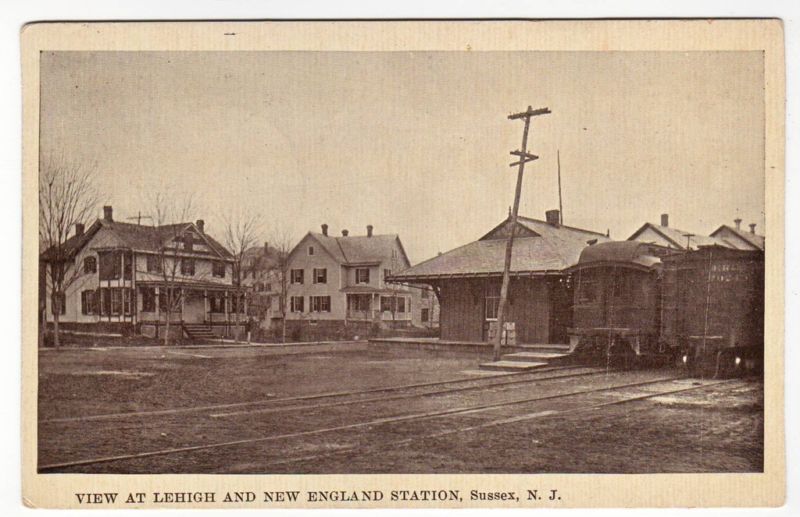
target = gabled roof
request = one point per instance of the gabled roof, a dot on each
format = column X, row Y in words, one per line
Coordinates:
column 753, row 239
column 259, row 259
column 679, row 238
column 360, row 249
column 136, row 237
column 552, row 249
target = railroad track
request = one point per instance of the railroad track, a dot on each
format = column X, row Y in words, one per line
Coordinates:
column 491, row 423
column 460, row 411
column 476, row 383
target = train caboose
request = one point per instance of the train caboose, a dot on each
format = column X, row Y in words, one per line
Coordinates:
column 616, row 299
column 712, row 309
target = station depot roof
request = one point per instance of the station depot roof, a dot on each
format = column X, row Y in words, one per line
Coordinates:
column 639, row 255
column 539, row 248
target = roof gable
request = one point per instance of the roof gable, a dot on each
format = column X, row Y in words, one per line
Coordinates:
column 751, row 239
column 545, row 248
column 679, row 238
column 359, row 249
column 141, row 237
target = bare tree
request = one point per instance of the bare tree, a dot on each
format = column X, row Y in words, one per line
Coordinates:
column 242, row 231
column 171, row 213
column 283, row 243
column 67, row 197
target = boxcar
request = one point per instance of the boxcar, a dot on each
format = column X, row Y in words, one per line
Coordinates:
column 616, row 310
column 712, row 308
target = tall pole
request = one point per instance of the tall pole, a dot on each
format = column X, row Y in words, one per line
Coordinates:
column 524, row 157
column 560, row 207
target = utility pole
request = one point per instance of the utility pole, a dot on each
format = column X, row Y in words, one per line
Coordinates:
column 560, row 206
column 524, row 157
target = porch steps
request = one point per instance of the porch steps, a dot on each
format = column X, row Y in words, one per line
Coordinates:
column 532, row 356
column 198, row 331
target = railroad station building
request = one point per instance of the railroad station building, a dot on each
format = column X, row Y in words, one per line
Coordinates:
column 467, row 280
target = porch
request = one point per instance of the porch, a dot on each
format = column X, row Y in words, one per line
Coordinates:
column 196, row 310
column 379, row 306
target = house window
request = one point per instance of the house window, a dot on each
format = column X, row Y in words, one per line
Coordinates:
column 297, row 304
column 320, row 304
column 237, row 304
column 153, row 264
column 386, row 273
column 127, row 307
column 116, row 301
column 425, row 316
column 297, row 276
column 187, row 267
column 127, row 268
column 216, row 303
column 320, row 276
column 401, row 305
column 425, row 294
column 218, row 269
column 388, row 303
column 188, row 242
column 88, row 302
column 362, row 275
column 90, row 265
column 105, row 301
column 110, row 266
column 148, row 299
column 311, row 250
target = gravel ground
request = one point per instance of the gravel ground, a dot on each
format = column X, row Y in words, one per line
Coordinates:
column 717, row 429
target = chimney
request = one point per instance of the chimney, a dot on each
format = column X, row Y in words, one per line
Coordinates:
column 266, row 248
column 369, row 230
column 201, row 225
column 552, row 217
column 738, row 223
column 325, row 230
column 665, row 220
column 108, row 213
column 79, row 229
column 345, row 233
column 753, row 228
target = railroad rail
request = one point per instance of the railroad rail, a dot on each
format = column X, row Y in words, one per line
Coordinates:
column 320, row 396
column 466, row 410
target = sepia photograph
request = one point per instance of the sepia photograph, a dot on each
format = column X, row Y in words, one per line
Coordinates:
column 409, row 261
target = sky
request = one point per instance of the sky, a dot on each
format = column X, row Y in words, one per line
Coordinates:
column 415, row 143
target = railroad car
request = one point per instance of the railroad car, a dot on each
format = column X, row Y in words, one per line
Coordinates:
column 703, row 308
column 616, row 299
column 712, row 309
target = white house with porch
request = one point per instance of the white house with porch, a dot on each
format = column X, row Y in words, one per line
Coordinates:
column 132, row 278
column 342, row 279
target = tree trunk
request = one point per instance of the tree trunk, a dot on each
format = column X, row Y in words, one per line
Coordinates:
column 56, row 337
column 167, row 318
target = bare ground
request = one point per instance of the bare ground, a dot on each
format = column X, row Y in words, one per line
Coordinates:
column 717, row 429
